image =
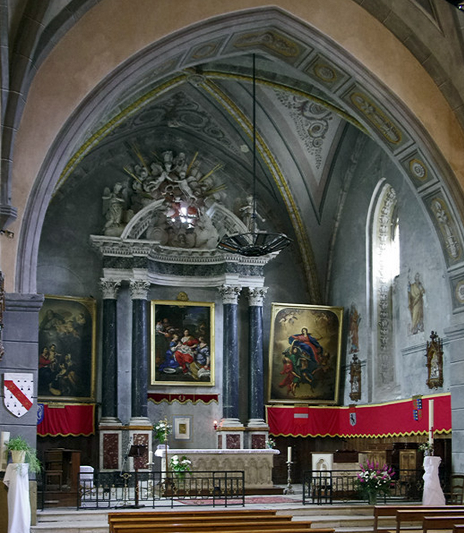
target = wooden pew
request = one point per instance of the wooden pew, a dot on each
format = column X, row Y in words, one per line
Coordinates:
column 195, row 519
column 189, row 525
column 228, row 521
column 430, row 523
column 458, row 528
column 291, row 527
column 215, row 514
column 418, row 514
column 390, row 511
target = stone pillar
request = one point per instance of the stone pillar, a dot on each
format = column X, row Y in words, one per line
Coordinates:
column 109, row 372
column 453, row 369
column 110, row 427
column 257, row 432
column 230, row 431
column 140, row 352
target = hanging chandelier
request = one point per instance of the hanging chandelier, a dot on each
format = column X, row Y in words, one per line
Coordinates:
column 255, row 242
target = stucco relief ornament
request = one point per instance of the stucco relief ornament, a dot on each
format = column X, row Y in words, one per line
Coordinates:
column 165, row 199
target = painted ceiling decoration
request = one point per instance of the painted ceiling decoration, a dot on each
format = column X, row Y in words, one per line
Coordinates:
column 195, row 97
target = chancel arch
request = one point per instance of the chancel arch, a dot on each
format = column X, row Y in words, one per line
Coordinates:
column 329, row 109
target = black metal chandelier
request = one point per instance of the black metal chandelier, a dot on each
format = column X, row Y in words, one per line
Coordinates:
column 255, row 242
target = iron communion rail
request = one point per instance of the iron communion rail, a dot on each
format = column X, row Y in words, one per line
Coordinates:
column 325, row 486
column 157, row 489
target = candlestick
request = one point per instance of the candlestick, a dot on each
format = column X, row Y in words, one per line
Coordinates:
column 431, row 422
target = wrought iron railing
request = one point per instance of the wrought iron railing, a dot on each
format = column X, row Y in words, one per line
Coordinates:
column 153, row 489
column 323, row 486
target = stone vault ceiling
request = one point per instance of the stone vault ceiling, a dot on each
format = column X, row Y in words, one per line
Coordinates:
column 191, row 92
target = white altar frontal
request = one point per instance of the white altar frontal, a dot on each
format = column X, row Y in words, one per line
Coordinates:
column 257, row 464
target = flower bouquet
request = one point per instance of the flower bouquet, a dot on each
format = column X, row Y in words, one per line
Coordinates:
column 161, row 430
column 180, row 466
column 373, row 480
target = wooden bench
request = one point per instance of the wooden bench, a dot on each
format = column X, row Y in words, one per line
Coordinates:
column 195, row 519
column 194, row 516
column 390, row 511
column 290, row 527
column 418, row 514
column 190, row 525
column 430, row 523
column 207, row 522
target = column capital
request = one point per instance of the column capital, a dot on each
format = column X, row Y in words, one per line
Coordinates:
column 109, row 288
column 229, row 293
column 139, row 289
column 256, row 295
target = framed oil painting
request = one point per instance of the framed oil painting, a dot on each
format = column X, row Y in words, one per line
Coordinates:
column 182, row 343
column 67, row 349
column 182, row 427
column 304, row 354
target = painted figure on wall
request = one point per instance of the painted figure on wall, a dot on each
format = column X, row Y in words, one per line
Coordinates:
column 416, row 293
column 304, row 353
column 66, row 349
column 355, row 319
column 183, row 343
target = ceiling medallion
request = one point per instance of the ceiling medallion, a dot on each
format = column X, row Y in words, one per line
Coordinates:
column 254, row 243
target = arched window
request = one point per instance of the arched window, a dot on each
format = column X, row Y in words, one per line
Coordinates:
column 383, row 234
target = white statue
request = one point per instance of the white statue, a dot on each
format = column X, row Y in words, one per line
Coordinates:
column 114, row 205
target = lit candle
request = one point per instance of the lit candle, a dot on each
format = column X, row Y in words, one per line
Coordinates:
column 431, row 421
column 289, row 454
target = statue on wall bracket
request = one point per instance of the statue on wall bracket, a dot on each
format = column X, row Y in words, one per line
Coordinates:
column 355, row 378
column 434, row 361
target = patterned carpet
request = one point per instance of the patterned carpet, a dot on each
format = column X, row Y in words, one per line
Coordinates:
column 248, row 499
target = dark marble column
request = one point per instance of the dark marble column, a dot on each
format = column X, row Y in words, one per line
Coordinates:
column 109, row 373
column 230, row 358
column 140, row 352
column 256, row 360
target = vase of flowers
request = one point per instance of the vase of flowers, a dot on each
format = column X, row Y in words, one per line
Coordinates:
column 270, row 443
column 426, row 448
column 180, row 466
column 374, row 481
column 161, row 430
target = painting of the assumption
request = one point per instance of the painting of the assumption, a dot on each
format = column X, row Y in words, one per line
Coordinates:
column 182, row 343
column 304, row 354
column 67, row 349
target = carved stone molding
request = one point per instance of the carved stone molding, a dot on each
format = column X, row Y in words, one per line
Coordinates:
column 256, row 295
column 139, row 289
column 109, row 288
column 229, row 293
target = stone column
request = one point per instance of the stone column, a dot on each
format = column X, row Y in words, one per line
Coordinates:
column 109, row 406
column 453, row 370
column 140, row 352
column 110, row 427
column 257, row 428
column 256, row 363
column 230, row 424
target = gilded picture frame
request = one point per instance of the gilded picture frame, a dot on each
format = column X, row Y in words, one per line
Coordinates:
column 304, row 354
column 182, row 427
column 67, row 349
column 182, row 343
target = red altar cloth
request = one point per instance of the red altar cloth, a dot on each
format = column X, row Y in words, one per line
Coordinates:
column 66, row 420
column 381, row 420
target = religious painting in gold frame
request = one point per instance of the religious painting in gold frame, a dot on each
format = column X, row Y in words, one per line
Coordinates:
column 182, row 343
column 434, row 361
column 304, row 354
column 67, row 349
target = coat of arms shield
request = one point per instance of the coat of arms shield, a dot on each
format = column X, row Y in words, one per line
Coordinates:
column 18, row 389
